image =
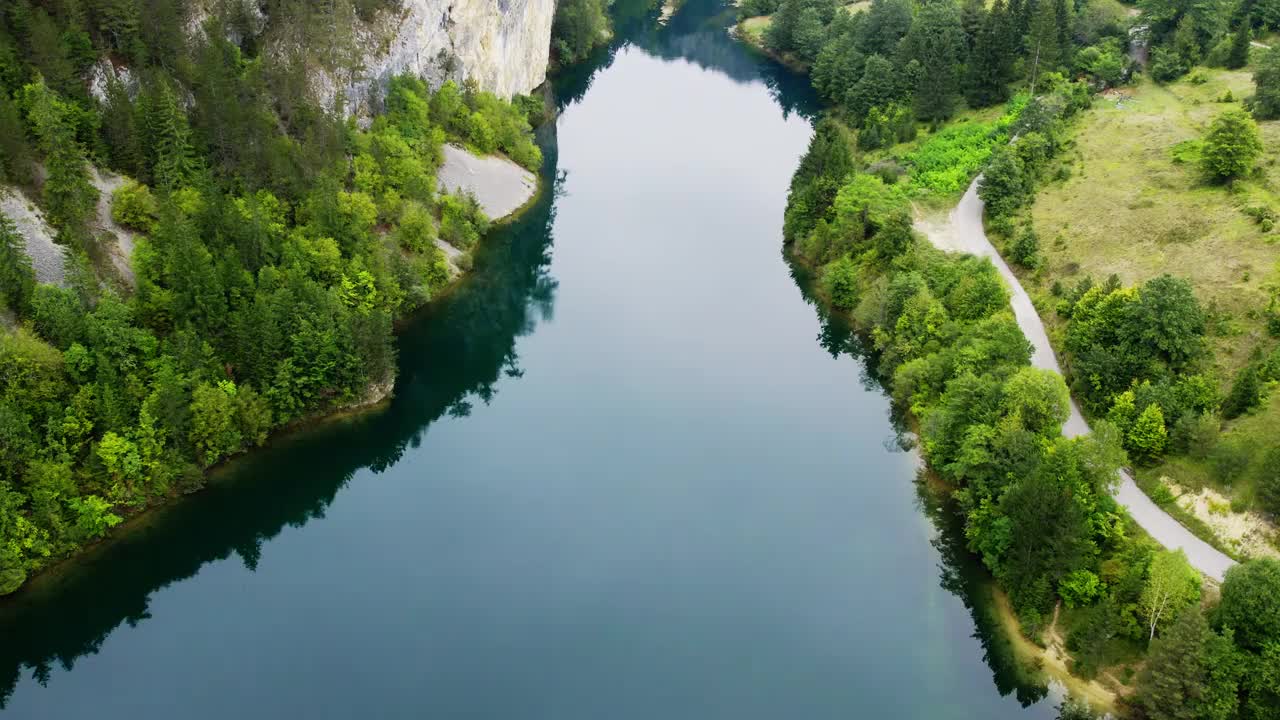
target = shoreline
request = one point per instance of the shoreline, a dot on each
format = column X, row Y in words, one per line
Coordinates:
column 1049, row 663
column 378, row 395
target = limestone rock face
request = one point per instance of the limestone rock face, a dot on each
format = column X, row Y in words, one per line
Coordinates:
column 503, row 45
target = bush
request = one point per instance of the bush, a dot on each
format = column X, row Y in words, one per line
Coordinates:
column 1195, row 435
column 133, row 206
column 1026, row 250
column 840, row 283
column 1231, row 146
column 1080, row 588
column 1269, row 482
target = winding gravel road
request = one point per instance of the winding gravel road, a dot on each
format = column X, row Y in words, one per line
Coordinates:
column 963, row 232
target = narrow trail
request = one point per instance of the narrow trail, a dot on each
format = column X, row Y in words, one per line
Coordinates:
column 963, row 232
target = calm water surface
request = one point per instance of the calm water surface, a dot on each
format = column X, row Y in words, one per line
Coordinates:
column 630, row 472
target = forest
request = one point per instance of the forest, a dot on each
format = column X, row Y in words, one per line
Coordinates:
column 278, row 243
column 922, row 97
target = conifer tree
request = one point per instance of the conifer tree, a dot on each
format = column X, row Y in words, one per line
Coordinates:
column 17, row 279
column 936, row 41
column 69, row 196
column 1043, row 50
column 990, row 64
column 175, row 161
column 1239, row 55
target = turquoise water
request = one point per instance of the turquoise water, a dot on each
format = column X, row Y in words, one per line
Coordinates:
column 630, row 472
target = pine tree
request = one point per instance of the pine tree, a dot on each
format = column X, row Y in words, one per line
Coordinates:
column 990, row 64
column 936, row 41
column 1239, row 55
column 69, row 196
column 1189, row 673
column 1043, row 49
column 175, row 161
column 17, row 279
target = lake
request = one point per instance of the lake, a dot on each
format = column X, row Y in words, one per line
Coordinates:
column 631, row 470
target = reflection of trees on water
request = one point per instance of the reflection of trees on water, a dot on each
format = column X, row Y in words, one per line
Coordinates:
column 451, row 358
column 697, row 33
column 961, row 573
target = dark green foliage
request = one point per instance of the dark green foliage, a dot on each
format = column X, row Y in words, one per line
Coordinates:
column 1250, row 605
column 17, row 279
column 1190, row 673
column 1119, row 337
column 579, row 27
column 878, row 87
column 1266, row 82
column 1269, row 482
column 824, row 168
column 1004, row 186
column 280, row 243
column 990, row 65
column 936, row 41
column 1238, row 57
column 69, row 196
column 1026, row 249
column 16, row 159
column 1246, row 393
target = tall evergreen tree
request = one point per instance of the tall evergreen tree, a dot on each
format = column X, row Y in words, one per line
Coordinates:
column 175, row 160
column 1239, row 55
column 17, row 279
column 1043, row 49
column 1189, row 673
column 936, row 41
column 990, row 65
column 69, row 195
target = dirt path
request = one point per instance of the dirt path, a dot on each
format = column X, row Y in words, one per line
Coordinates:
column 963, row 232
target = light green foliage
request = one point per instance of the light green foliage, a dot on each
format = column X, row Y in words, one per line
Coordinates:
column 1080, row 588
column 840, row 283
column 416, row 231
column 946, row 162
column 219, row 419
column 93, row 517
column 1172, row 586
column 884, row 127
column 1147, row 437
column 1231, row 147
column 134, row 207
column 1037, row 400
column 462, row 222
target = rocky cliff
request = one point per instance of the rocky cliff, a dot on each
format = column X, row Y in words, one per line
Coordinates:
column 503, row 45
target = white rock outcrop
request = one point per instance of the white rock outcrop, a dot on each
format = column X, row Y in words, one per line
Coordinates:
column 48, row 258
column 504, row 46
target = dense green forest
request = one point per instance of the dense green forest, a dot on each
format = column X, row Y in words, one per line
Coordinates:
column 1037, row 507
column 279, row 242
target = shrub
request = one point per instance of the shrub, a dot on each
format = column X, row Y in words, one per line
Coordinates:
column 840, row 283
column 133, row 206
column 1026, row 250
column 1269, row 482
column 1080, row 588
column 1231, row 146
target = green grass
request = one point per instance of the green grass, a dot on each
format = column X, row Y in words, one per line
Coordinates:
column 1136, row 205
column 1132, row 208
